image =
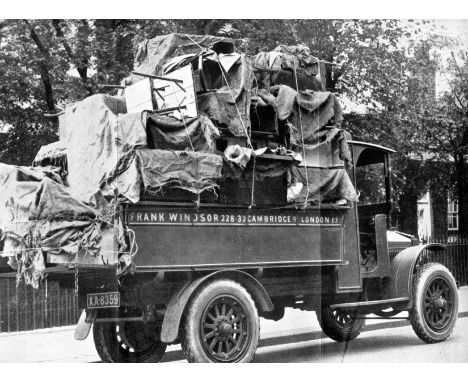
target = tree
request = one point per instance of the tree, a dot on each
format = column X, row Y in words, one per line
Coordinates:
column 48, row 64
column 407, row 122
column 448, row 128
column 26, row 90
column 424, row 126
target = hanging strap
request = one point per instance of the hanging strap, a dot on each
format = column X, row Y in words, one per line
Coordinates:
column 302, row 138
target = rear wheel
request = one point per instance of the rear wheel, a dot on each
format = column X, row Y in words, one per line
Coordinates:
column 221, row 324
column 338, row 324
column 435, row 303
column 127, row 342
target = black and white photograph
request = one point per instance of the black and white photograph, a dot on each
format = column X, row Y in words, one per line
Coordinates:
column 287, row 189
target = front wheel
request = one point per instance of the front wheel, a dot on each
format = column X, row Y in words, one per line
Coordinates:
column 127, row 342
column 221, row 324
column 339, row 325
column 435, row 303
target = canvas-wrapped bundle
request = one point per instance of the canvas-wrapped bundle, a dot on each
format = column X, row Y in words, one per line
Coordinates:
column 191, row 171
column 38, row 215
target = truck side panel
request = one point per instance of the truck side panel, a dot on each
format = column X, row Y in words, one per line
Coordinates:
column 169, row 238
column 349, row 274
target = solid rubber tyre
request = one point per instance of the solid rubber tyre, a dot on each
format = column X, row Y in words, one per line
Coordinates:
column 113, row 346
column 435, row 303
column 339, row 325
column 221, row 324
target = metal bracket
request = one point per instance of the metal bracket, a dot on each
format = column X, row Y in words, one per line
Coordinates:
column 159, row 77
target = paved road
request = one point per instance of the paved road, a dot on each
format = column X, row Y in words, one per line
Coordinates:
column 296, row 338
column 385, row 345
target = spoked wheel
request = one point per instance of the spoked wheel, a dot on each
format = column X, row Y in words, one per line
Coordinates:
column 338, row 324
column 221, row 324
column 127, row 342
column 435, row 307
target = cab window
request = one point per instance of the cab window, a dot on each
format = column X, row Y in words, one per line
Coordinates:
column 371, row 177
column 370, row 180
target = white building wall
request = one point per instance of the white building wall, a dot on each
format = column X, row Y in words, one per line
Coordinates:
column 424, row 217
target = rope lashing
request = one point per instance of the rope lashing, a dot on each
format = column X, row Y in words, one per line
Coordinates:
column 302, row 138
column 252, row 198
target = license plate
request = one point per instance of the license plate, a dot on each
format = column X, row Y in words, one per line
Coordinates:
column 103, row 300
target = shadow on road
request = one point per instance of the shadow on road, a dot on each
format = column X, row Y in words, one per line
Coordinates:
column 326, row 351
column 320, row 351
column 301, row 349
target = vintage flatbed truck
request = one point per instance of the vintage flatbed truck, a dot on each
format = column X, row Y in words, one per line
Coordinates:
column 206, row 272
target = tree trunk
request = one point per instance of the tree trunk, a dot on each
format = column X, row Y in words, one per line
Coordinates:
column 43, row 68
column 115, row 55
column 80, row 64
column 48, row 91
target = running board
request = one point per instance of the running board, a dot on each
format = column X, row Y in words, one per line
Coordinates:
column 379, row 304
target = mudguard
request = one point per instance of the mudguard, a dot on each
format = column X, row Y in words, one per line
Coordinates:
column 83, row 327
column 175, row 308
column 402, row 271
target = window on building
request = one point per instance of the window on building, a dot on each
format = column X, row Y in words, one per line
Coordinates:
column 452, row 213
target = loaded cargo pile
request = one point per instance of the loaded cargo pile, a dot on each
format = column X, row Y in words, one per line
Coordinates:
column 194, row 122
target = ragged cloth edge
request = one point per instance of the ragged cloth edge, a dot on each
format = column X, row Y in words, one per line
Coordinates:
column 39, row 217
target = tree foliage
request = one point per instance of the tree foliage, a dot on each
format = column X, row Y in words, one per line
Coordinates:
column 385, row 64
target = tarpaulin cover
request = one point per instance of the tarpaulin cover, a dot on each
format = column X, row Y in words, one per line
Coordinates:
column 293, row 58
column 188, row 170
column 262, row 182
column 229, row 105
column 298, row 57
column 325, row 185
column 153, row 54
column 270, row 62
column 169, row 133
column 324, row 103
column 38, row 215
column 263, row 168
column 228, row 109
column 313, row 110
column 285, row 101
column 178, row 62
column 337, row 140
column 100, row 141
column 102, row 144
column 52, row 154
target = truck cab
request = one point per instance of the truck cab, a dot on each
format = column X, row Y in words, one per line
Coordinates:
column 372, row 179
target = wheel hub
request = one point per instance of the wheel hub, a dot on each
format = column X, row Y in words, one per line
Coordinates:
column 223, row 328
column 343, row 319
column 439, row 303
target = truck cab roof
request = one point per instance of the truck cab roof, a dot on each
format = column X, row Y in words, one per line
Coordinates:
column 371, row 145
